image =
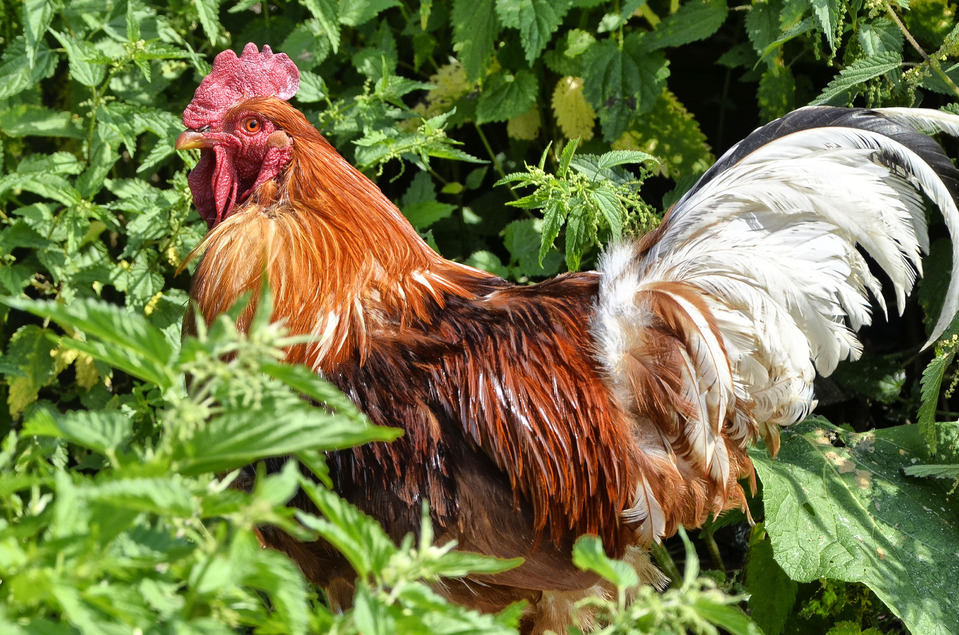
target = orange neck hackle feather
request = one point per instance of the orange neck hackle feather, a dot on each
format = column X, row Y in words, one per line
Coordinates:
column 341, row 259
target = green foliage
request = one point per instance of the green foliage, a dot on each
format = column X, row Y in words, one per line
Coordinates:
column 694, row 604
column 121, row 506
column 838, row 507
column 594, row 197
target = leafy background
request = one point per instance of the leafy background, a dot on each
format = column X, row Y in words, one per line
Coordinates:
column 515, row 135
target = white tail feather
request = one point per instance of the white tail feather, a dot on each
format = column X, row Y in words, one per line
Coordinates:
column 767, row 248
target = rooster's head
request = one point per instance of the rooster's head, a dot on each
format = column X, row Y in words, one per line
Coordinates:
column 240, row 148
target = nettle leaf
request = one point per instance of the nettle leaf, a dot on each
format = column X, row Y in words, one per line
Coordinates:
column 354, row 13
column 326, row 12
column 880, row 36
column 124, row 339
column 671, row 134
column 37, row 15
column 164, row 496
column 574, row 116
column 102, row 432
column 696, row 20
column 306, row 46
column 930, row 384
column 762, row 24
column 87, row 63
column 623, row 82
column 580, row 231
column 419, row 203
column 522, row 239
column 475, row 27
column 15, row 76
column 857, row 73
column 28, row 120
column 777, row 92
column 827, row 14
column 353, row 533
column 208, row 12
column 837, row 506
column 506, row 95
column 536, row 20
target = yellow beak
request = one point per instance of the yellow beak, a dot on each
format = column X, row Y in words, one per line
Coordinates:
column 190, row 139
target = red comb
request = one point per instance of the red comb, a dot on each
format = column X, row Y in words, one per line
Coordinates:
column 253, row 74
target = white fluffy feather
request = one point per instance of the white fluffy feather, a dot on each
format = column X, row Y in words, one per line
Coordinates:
column 770, row 245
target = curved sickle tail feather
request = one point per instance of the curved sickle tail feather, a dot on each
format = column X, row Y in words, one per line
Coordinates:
column 712, row 329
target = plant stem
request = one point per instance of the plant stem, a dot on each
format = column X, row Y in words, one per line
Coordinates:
column 666, row 563
column 713, row 548
column 931, row 61
column 492, row 155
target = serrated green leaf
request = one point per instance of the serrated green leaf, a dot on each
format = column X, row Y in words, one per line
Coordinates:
column 523, row 240
column 124, row 339
column 101, row 432
column 26, row 120
column 153, row 495
column 554, row 215
column 595, row 166
column 880, row 36
column 578, row 233
column 827, row 14
column 353, row 13
column 132, row 23
column 326, row 13
column 930, row 385
column 845, row 511
column 858, row 72
column 208, row 12
column 695, row 20
column 487, row 261
column 15, row 76
column 777, row 92
column 762, row 24
column 475, row 28
column 353, row 533
column 588, row 555
column 565, row 157
column 609, row 206
column 37, row 15
column 419, row 203
column 506, row 95
column 456, row 564
column 243, row 435
column 536, row 20
column 623, row 82
column 86, row 62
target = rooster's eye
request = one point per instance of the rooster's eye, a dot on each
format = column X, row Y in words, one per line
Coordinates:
column 251, row 124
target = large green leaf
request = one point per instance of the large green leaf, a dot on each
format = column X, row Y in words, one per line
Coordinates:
column 506, row 95
column 536, row 20
column 623, row 81
column 696, row 20
column 122, row 339
column 475, row 27
column 838, row 506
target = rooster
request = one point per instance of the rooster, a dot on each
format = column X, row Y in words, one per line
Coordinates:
column 617, row 403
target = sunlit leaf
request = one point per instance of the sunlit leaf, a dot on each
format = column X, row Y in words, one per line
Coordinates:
column 838, row 506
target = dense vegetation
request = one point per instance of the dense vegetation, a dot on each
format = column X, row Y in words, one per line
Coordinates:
column 116, row 513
